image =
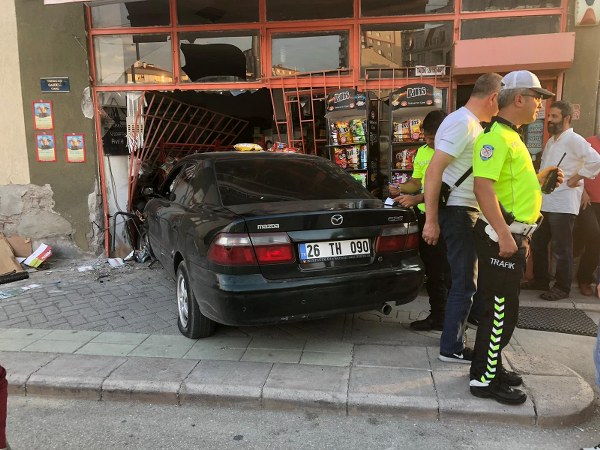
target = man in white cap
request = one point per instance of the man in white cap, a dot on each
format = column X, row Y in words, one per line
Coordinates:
column 509, row 194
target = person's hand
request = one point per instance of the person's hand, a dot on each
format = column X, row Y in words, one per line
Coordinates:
column 560, row 178
column 574, row 181
column 585, row 200
column 394, row 191
column 507, row 245
column 408, row 201
column 431, row 232
column 545, row 172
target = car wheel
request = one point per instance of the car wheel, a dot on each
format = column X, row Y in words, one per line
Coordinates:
column 191, row 322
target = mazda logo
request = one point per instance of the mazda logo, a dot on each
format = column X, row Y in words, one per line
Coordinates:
column 337, row 219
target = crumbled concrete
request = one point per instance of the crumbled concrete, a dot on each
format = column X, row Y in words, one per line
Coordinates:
column 95, row 236
column 40, row 224
column 11, row 200
column 28, row 211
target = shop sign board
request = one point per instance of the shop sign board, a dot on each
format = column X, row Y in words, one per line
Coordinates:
column 346, row 99
column 55, row 84
column 114, row 141
column 430, row 71
column 418, row 94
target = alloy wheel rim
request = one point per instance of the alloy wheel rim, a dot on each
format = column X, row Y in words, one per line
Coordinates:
column 182, row 300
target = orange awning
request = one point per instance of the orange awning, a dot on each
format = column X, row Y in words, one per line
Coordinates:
column 532, row 52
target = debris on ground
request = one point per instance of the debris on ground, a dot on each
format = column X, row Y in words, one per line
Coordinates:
column 116, row 262
column 41, row 254
column 10, row 269
column 11, row 292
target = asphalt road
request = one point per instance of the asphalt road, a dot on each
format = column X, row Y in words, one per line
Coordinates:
column 37, row 423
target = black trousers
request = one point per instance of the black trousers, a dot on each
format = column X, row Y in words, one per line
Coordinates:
column 498, row 284
column 586, row 235
column 437, row 271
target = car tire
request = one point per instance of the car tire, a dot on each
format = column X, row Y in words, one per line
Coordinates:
column 190, row 321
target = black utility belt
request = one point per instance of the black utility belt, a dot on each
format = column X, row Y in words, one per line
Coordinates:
column 519, row 228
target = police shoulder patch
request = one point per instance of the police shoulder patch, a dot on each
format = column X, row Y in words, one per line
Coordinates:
column 486, row 152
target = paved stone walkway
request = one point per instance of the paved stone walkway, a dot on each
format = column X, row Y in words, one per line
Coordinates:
column 112, row 334
column 133, row 298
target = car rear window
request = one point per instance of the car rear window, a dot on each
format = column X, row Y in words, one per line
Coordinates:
column 259, row 180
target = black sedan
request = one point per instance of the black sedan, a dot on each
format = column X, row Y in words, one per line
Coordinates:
column 257, row 238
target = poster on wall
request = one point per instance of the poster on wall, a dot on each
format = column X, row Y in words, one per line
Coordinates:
column 43, row 115
column 587, row 12
column 45, row 147
column 75, row 146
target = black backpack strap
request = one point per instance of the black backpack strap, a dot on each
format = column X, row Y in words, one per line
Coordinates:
column 464, row 177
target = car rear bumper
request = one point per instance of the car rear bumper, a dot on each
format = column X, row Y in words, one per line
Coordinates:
column 254, row 300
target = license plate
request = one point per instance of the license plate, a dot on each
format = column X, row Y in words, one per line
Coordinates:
column 330, row 250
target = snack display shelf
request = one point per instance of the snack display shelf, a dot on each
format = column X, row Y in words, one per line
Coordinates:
column 353, row 140
column 408, row 106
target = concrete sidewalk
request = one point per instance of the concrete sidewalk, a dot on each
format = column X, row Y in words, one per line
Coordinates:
column 111, row 334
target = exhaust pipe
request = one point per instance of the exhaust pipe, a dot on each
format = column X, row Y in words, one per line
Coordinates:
column 386, row 309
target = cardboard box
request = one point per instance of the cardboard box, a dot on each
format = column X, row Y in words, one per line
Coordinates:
column 21, row 246
column 8, row 263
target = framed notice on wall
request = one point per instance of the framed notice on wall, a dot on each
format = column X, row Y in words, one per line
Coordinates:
column 75, row 147
column 43, row 115
column 45, row 147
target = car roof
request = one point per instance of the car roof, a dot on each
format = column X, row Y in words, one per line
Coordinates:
column 223, row 156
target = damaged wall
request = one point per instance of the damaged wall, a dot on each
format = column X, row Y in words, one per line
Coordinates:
column 28, row 211
column 52, row 43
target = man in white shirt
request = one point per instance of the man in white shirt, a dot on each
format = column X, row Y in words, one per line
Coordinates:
column 453, row 158
column 561, row 206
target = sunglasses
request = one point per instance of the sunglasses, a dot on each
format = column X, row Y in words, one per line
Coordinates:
column 535, row 96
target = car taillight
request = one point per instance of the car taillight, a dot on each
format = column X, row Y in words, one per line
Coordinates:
column 243, row 249
column 398, row 238
column 232, row 250
column 273, row 248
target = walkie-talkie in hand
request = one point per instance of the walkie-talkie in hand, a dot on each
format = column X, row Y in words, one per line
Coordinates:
column 550, row 183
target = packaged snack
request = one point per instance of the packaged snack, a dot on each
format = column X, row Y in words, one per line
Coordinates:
column 405, row 159
column 415, row 129
column 339, row 157
column 358, row 131
column 344, row 135
column 396, row 131
column 363, row 156
column 246, row 147
column 400, row 177
column 333, row 132
column 409, row 158
column 360, row 177
column 405, row 131
column 353, row 156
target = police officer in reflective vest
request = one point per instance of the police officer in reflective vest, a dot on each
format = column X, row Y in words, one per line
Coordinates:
column 509, row 194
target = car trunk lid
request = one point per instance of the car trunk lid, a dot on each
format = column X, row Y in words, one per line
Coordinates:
column 328, row 237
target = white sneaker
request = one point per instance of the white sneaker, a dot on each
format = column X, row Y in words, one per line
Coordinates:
column 591, row 448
